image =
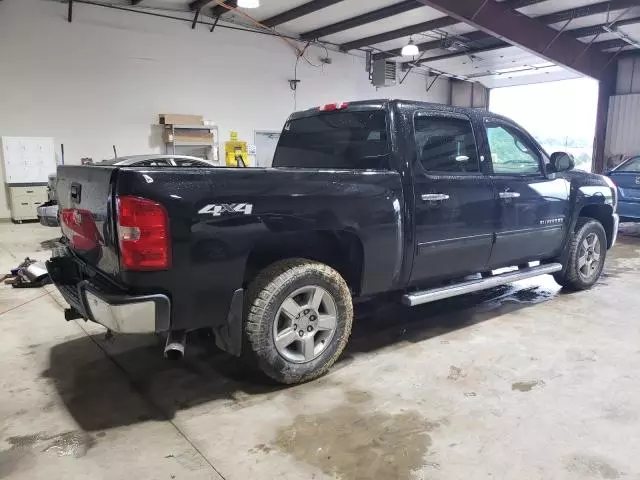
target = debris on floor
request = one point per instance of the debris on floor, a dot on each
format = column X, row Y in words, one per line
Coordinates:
column 29, row 274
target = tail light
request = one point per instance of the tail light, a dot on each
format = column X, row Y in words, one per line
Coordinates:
column 80, row 228
column 330, row 107
column 143, row 232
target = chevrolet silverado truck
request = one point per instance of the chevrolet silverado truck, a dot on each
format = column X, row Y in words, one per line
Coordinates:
column 415, row 201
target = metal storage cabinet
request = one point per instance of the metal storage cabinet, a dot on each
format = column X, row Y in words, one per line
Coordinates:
column 26, row 164
column 24, row 201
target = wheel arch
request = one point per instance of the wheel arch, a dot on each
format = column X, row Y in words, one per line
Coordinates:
column 603, row 214
column 342, row 250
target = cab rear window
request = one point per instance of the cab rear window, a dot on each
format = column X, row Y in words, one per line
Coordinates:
column 354, row 140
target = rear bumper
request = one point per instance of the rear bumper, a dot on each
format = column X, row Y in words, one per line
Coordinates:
column 48, row 216
column 116, row 311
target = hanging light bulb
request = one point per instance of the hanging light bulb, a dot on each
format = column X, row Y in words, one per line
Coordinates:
column 410, row 50
column 248, row 3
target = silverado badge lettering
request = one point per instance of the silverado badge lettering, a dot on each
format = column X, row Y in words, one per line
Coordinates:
column 217, row 209
column 552, row 221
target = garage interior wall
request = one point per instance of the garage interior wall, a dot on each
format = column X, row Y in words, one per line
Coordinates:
column 102, row 79
column 622, row 138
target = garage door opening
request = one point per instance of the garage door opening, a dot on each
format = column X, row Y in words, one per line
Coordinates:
column 560, row 115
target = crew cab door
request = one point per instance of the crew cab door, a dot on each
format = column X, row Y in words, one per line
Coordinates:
column 627, row 179
column 533, row 207
column 454, row 202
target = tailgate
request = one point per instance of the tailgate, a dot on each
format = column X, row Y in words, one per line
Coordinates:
column 85, row 202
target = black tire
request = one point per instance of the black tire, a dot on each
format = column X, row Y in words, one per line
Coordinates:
column 265, row 297
column 573, row 276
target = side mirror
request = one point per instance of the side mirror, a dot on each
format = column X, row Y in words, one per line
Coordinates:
column 561, row 162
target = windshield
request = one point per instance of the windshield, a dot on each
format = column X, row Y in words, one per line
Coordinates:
column 343, row 140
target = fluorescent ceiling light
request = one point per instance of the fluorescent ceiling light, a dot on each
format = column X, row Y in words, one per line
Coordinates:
column 410, row 50
column 248, row 3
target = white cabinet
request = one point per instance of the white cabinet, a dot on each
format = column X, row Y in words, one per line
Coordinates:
column 28, row 159
column 24, row 201
column 26, row 164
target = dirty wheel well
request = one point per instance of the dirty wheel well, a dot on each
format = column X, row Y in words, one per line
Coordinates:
column 603, row 214
column 339, row 249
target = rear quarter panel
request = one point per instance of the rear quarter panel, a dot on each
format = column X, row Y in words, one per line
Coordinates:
column 209, row 252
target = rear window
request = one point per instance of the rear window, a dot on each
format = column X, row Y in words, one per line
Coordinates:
column 343, row 140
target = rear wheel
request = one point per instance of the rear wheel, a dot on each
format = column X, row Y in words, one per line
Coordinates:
column 298, row 319
column 586, row 256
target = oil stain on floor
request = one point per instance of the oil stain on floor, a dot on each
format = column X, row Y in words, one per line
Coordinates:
column 351, row 444
column 527, row 386
column 24, row 447
column 590, row 466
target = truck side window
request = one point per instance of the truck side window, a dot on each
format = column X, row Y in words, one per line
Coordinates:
column 446, row 144
column 511, row 152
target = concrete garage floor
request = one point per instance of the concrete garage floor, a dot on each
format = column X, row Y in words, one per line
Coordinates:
column 521, row 382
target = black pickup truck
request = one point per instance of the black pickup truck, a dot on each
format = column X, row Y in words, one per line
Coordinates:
column 413, row 200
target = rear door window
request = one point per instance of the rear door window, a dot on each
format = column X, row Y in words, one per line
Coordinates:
column 446, row 144
column 353, row 140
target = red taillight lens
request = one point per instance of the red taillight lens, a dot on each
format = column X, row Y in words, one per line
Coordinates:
column 80, row 228
column 143, row 232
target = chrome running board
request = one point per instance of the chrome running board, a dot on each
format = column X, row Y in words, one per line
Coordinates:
column 426, row 296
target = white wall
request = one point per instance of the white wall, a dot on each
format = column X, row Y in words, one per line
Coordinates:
column 102, row 79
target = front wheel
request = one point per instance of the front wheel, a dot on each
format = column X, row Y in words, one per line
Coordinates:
column 298, row 319
column 586, row 256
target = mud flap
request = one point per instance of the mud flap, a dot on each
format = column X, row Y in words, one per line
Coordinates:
column 229, row 335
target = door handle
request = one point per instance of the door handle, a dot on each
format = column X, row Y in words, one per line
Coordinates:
column 509, row 195
column 435, row 197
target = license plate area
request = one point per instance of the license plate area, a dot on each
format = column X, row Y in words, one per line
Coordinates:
column 64, row 271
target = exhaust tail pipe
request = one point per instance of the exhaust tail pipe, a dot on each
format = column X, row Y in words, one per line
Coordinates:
column 174, row 348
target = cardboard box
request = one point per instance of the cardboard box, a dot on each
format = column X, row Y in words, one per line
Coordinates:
column 180, row 119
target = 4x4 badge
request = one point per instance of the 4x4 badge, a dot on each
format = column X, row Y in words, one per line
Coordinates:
column 217, row 209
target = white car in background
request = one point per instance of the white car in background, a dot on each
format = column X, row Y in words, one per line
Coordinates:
column 48, row 213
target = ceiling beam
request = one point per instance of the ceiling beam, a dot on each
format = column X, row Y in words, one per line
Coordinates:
column 609, row 44
column 400, row 32
column 198, row 4
column 598, row 45
column 555, row 17
column 420, row 28
column 593, row 9
column 373, row 16
column 218, row 10
column 499, row 44
column 597, row 29
column 527, row 33
column 471, row 37
column 302, row 10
